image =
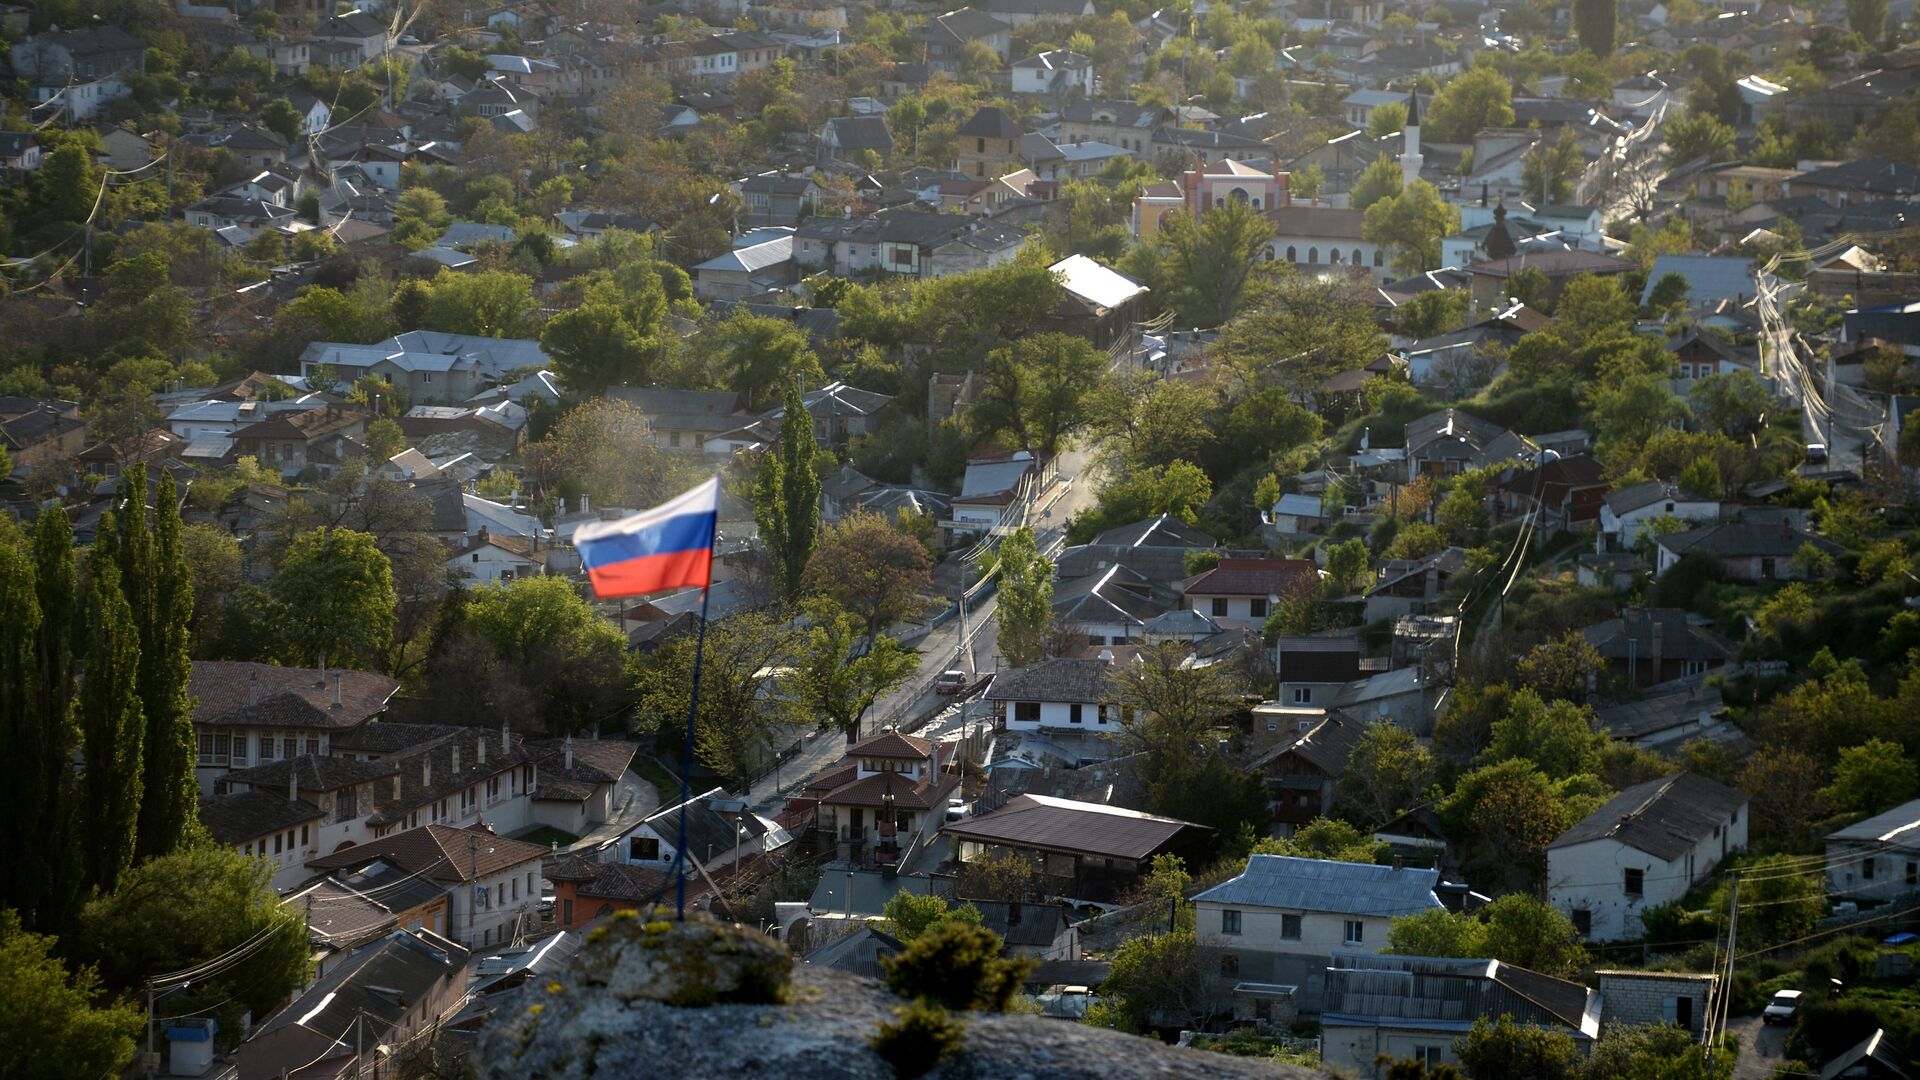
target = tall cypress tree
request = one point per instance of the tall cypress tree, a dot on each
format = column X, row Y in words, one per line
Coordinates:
column 787, row 499
column 24, row 886
column 53, row 870
column 169, row 799
column 111, row 725
column 1596, row 22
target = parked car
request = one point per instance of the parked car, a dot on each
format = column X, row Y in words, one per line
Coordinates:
column 950, row 682
column 956, row 809
column 1781, row 1009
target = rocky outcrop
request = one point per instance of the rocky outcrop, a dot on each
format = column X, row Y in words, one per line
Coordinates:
column 703, row 999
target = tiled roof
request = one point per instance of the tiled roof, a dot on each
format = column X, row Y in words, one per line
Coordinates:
column 892, row 744
column 1058, row 679
column 317, row 772
column 1162, row 531
column 991, row 122
column 431, row 774
column 389, row 737
column 1680, row 639
column 906, row 792
column 240, row 817
column 620, row 881
column 440, row 852
column 595, row 761
column 237, row 692
column 1047, row 823
column 1665, row 818
column 1253, row 577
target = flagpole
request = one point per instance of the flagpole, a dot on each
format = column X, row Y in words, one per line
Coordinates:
column 686, row 758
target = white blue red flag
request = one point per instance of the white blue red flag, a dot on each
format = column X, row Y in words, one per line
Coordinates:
column 667, row 547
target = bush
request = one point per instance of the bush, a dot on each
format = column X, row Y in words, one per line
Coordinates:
column 958, row 966
column 921, row 1037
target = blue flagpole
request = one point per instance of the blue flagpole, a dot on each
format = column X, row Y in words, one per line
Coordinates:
column 686, row 759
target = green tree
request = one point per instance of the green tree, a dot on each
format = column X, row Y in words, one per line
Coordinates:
column 333, row 598
column 169, row 800
column 1328, row 838
column 280, row 117
column 1697, row 135
column 181, row 910
column 1500, row 1049
column 909, row 914
column 1626, row 413
column 1560, row 667
column 870, row 568
column 1872, row 777
column 1388, row 772
column 1528, row 932
column 48, row 880
column 1596, row 21
column 1412, row 223
column 838, row 674
column 492, row 303
column 1478, row 98
column 1733, row 404
column 1313, row 329
column 1436, row 311
column 760, row 358
column 594, row 347
column 50, row 1016
column 1211, row 261
column 1036, row 391
column 1592, row 307
column 68, row 184
column 739, row 682
column 1381, row 179
column 112, row 726
column 605, row 448
column 20, row 721
column 958, row 966
column 1868, row 18
column 1437, row 932
column 787, row 497
column 1163, row 980
column 1669, row 295
column 384, row 439
column 1349, row 566
column 1549, row 170
column 1385, row 120
column 1780, row 900
column 1025, row 606
column 549, row 643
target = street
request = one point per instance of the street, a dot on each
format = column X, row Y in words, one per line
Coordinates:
column 939, row 650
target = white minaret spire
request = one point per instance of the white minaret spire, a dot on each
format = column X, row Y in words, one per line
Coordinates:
column 1410, row 155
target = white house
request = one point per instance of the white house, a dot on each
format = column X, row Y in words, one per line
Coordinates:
column 1629, row 511
column 1299, row 515
column 1283, row 919
column 1241, row 593
column 1053, row 72
column 719, row 831
column 1060, row 694
column 486, row 557
column 1876, row 859
column 1646, row 847
column 995, row 491
column 495, row 882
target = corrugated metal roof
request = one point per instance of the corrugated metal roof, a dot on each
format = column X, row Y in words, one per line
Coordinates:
column 1282, row 881
column 1094, row 283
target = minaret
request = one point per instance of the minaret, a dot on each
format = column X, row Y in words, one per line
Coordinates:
column 1410, row 155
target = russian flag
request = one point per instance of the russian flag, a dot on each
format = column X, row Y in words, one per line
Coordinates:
column 667, row 547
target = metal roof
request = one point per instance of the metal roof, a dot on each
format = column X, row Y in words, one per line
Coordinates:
column 1282, row 881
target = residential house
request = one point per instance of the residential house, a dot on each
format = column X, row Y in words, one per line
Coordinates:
column 747, row 270
column 586, row 890
column 1126, row 124
column 1206, row 145
column 944, row 38
column 1450, row 441
column 844, row 137
column 1058, row 694
column 988, row 144
column 1752, row 550
column 239, row 219
column 1284, row 919
column 1381, row 1008
column 1862, row 180
column 494, row 881
column 488, row 558
column 1636, row 998
column 1878, row 858
column 1054, row 73
column 1645, row 847
column 1875, row 1057
column 293, row 442
column 683, row 419
column 1312, row 669
column 435, row 367
column 722, row 833
column 1113, row 607
column 1035, row 931
column 346, row 912
column 253, row 821
column 1019, row 13
column 884, row 800
column 776, row 198
column 905, row 241
column 1241, row 593
column 1627, row 513
column 1096, row 303
column 1412, row 697
column 996, row 491
column 384, row 995
column 1321, row 238
column 1563, row 491
column 368, row 37
column 48, row 433
column 250, row 143
column 1649, row 646
column 1665, row 720
column 247, row 713
column 1490, row 278
column 1709, row 278
column 1302, row 769
column 1697, row 355
column 126, row 149
column 1404, row 587
column 78, row 71
column 1078, row 849
column 19, row 151
column 1459, row 361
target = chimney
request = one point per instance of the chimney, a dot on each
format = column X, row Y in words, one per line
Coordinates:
column 293, row 780
column 456, row 759
column 480, row 750
column 253, row 687
column 1431, row 588
column 338, row 678
column 586, row 504
column 569, row 751
column 1654, row 650
column 1399, row 863
column 505, row 748
column 849, row 894
column 1786, row 526
column 396, row 786
column 320, row 664
column 426, row 770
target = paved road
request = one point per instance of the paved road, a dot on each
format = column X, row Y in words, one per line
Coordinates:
column 939, row 650
column 1760, row 1047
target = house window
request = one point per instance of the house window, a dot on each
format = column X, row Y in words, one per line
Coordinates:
column 1303, row 695
column 1073, row 713
column 303, row 836
column 1377, row 262
column 1230, row 966
column 1258, row 607
column 1356, row 256
column 1229, row 921
column 289, row 748
column 1291, row 255
column 643, row 849
column 1913, row 873
column 266, row 748
column 1582, row 922
column 1428, row 1056
column 979, row 146
column 1696, row 667
column 1290, row 928
column 673, row 438
column 1313, row 255
column 1866, row 868
column 1636, row 882
column 1026, row 712
column 276, row 843
column 1262, row 1009
column 1219, row 605
column 1354, row 932
column 566, row 911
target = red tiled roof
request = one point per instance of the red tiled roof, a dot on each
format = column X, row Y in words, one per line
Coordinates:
column 242, row 692
column 1253, row 577
column 892, row 744
column 908, row 793
column 440, row 852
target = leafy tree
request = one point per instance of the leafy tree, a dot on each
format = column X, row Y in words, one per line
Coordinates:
column 1328, row 838
column 1436, row 311
column 1654, row 1052
column 1385, row 120
column 169, row 801
column 1388, row 772
column 1412, row 223
column 1669, row 294
column 1500, row 1049
column 786, row 497
column 1533, row 934
column 1349, row 567
column 1209, row 790
column 594, row 347
column 1163, row 980
column 1478, row 98
column 739, row 672
column 1734, row 404
column 1596, row 22
column 1313, row 329
column 761, row 358
column 550, row 644
column 1872, row 777
column 1549, row 169
column 909, row 914
column 1697, row 135
column 1626, row 413
column 606, row 449
column 1510, row 811
column 1036, row 391
column 1381, row 179
column 1868, row 18
column 384, row 439
column 1780, row 900
column 280, row 117
column 111, row 724
column 1211, row 261
column 1592, row 308
column 1142, row 421
column 1416, row 540
column 835, row 679
column 1437, row 932
column 492, row 303
column 1170, row 707
column 179, row 910
column 1308, row 182
column 47, row 881
column 958, row 966
column 1561, row 667
column 333, row 598
column 68, row 184
column 872, row 570
column 52, row 1016
column 1024, row 610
